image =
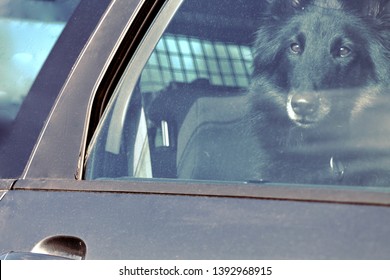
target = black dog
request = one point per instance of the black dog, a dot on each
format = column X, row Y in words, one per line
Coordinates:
column 320, row 83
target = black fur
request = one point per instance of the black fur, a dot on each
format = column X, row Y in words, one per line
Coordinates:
column 321, row 67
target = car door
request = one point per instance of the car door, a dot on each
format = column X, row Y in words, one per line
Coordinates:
column 124, row 160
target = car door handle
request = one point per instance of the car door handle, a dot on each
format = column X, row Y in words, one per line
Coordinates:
column 52, row 247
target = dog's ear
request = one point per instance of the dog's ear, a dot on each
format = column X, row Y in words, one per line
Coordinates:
column 375, row 8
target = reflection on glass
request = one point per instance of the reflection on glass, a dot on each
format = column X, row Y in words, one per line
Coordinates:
column 28, row 31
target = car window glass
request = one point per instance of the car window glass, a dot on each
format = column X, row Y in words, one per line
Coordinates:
column 28, row 31
column 276, row 91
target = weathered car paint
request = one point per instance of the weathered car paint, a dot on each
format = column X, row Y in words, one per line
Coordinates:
column 347, row 195
column 152, row 226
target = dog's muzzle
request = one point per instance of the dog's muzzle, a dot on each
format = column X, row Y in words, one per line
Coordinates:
column 304, row 105
column 306, row 109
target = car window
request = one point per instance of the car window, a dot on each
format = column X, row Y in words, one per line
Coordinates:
column 264, row 91
column 29, row 30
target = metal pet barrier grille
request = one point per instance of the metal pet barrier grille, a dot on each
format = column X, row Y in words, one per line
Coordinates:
column 178, row 58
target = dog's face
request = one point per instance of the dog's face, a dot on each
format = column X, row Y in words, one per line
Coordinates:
column 320, row 61
column 329, row 65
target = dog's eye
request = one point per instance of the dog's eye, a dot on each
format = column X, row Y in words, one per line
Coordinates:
column 296, row 48
column 344, row 51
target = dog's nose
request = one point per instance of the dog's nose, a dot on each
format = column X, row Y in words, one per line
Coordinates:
column 304, row 104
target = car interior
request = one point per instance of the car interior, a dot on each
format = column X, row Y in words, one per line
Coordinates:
column 191, row 93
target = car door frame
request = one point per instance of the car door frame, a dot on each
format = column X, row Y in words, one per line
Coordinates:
column 110, row 46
